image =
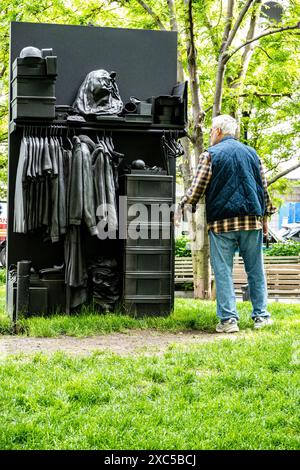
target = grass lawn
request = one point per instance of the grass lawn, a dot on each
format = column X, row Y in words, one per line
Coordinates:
column 241, row 394
column 188, row 314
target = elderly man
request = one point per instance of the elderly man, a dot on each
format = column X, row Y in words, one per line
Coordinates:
column 231, row 176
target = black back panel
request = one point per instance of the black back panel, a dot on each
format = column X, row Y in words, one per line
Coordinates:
column 146, row 65
column 145, row 61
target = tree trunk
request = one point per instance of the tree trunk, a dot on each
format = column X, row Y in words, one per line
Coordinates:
column 185, row 164
column 221, row 61
column 219, row 87
column 228, row 37
column 197, row 222
column 200, row 253
column 238, row 84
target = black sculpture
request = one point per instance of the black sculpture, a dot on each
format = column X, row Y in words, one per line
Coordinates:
column 98, row 94
column 30, row 51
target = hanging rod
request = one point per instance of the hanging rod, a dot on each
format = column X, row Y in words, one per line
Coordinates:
column 155, row 128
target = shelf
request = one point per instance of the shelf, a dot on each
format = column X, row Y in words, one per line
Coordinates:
column 105, row 125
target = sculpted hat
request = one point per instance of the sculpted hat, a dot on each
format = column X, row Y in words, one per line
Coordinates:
column 31, row 51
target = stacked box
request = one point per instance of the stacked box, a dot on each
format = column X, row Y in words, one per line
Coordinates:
column 148, row 253
column 33, row 88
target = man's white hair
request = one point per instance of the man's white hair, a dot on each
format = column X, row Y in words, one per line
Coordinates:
column 226, row 123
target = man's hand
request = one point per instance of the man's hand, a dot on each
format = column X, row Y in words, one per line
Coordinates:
column 265, row 226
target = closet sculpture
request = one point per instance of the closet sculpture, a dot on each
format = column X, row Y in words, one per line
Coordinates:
column 67, row 171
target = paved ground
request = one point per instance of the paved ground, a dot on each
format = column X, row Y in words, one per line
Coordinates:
column 147, row 342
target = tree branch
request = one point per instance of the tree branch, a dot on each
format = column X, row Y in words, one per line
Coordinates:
column 212, row 35
column 152, row 13
column 283, row 173
column 220, row 15
column 277, row 165
column 172, row 13
column 229, row 16
column 221, row 62
column 286, row 28
column 208, row 109
column 174, row 27
column 268, row 55
column 194, row 85
column 237, row 24
column 247, row 54
column 272, row 95
column 3, row 70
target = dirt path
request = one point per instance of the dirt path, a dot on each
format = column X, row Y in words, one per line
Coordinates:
column 147, row 342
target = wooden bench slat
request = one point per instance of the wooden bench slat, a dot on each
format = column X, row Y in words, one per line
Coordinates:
column 283, row 292
column 282, row 274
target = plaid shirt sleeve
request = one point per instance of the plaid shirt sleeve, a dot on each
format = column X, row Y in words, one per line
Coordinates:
column 200, row 181
column 269, row 208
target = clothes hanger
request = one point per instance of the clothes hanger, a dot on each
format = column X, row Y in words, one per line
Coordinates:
column 108, row 144
column 172, row 143
column 104, row 143
column 68, row 139
column 61, row 134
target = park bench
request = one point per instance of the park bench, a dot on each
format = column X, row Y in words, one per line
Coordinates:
column 183, row 269
column 282, row 274
column 273, row 260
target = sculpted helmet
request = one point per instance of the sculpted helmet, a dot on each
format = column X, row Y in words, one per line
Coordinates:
column 31, row 51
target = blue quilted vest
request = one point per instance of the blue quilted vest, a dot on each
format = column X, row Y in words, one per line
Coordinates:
column 236, row 186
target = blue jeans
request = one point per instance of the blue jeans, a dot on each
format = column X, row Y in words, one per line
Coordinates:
column 222, row 249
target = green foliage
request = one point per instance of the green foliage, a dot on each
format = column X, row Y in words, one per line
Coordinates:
column 267, row 98
column 186, row 286
column 270, row 105
column 2, row 276
column 281, row 189
column 3, row 176
column 289, row 248
column 181, row 248
column 75, row 12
